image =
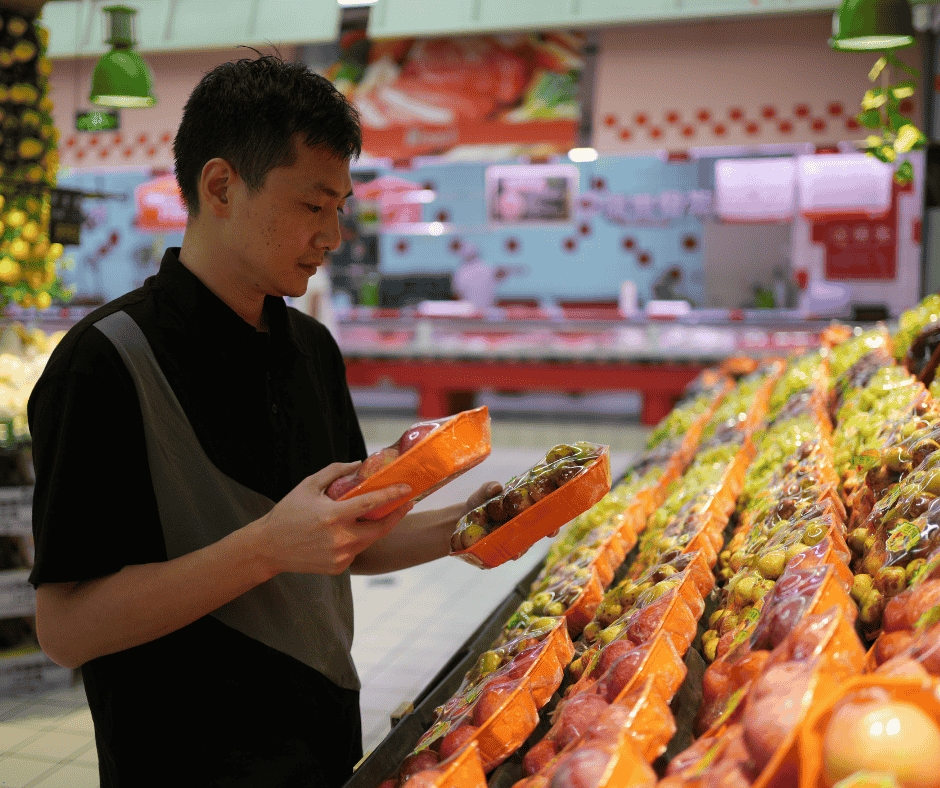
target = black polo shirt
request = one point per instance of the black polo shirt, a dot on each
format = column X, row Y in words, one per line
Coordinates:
column 205, row 705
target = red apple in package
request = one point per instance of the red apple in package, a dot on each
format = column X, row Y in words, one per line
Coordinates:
column 428, row 455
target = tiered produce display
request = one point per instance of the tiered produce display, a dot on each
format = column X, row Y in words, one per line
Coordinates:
column 757, row 591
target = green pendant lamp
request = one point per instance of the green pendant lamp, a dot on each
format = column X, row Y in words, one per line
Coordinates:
column 122, row 77
column 865, row 25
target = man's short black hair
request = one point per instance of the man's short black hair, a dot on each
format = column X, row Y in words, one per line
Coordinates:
column 248, row 112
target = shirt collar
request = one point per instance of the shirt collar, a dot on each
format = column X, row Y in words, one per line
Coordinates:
column 215, row 321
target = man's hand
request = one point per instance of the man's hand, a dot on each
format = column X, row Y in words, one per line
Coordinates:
column 482, row 495
column 309, row 532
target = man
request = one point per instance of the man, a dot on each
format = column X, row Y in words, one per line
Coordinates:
column 187, row 557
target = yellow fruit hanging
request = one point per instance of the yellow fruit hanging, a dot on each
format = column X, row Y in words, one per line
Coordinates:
column 19, row 249
column 43, row 300
column 41, row 249
column 16, row 218
column 9, row 270
column 2, row 201
column 17, row 26
column 24, row 51
column 26, row 300
column 30, row 148
column 30, row 231
column 55, row 251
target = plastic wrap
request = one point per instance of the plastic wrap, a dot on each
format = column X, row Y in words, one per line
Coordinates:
column 451, row 447
column 920, row 693
column 568, row 481
column 668, row 600
column 496, row 706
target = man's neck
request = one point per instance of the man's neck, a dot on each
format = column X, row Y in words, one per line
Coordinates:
column 197, row 255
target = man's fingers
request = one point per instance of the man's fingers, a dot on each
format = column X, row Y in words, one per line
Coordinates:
column 326, row 476
column 359, row 505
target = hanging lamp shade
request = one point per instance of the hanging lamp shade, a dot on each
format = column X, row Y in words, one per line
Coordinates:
column 863, row 25
column 122, row 77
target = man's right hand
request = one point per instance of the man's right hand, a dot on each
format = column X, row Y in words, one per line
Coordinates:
column 309, row 532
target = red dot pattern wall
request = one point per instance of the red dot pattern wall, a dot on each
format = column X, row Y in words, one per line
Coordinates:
column 82, row 149
column 758, row 81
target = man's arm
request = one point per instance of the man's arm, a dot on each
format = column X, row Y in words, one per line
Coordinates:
column 418, row 538
column 305, row 532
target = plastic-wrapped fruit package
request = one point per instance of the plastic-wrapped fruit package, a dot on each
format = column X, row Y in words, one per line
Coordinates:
column 574, row 588
column 829, row 635
column 846, row 354
column 804, row 374
column 745, row 403
column 637, row 726
column 566, row 482
column 905, row 652
column 680, row 419
column 809, row 545
column 875, row 725
column 464, row 769
column 912, row 322
column 868, row 414
column 671, row 606
column 721, row 759
column 427, row 456
column 801, row 670
column 496, row 706
column 620, row 667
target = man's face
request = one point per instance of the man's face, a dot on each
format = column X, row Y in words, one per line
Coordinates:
column 280, row 234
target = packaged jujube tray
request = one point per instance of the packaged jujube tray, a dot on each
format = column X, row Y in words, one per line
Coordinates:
column 567, row 481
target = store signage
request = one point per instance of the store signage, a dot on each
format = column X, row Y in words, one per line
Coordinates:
column 532, row 195
column 648, row 208
column 98, row 120
column 755, row 190
column 160, row 207
column 839, row 183
column 860, row 247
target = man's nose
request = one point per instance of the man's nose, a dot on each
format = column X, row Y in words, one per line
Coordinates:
column 330, row 235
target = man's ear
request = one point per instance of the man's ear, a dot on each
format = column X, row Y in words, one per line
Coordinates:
column 215, row 185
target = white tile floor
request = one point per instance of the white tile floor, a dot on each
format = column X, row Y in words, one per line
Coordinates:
column 408, row 624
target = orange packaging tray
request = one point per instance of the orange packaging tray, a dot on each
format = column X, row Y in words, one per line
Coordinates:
column 459, row 444
column 842, row 657
column 678, row 623
column 642, row 738
column 709, row 539
column 511, row 540
column 514, row 719
column 509, row 726
column 463, row 770
column 919, row 692
column 662, row 663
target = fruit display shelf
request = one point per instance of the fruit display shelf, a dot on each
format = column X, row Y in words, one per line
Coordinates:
column 734, row 600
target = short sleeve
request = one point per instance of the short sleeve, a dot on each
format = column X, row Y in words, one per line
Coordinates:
column 94, row 508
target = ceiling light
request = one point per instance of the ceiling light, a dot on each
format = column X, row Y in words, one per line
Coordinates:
column 122, row 77
column 582, row 154
column 862, row 25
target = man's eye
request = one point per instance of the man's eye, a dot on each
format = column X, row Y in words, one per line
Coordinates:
column 314, row 208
